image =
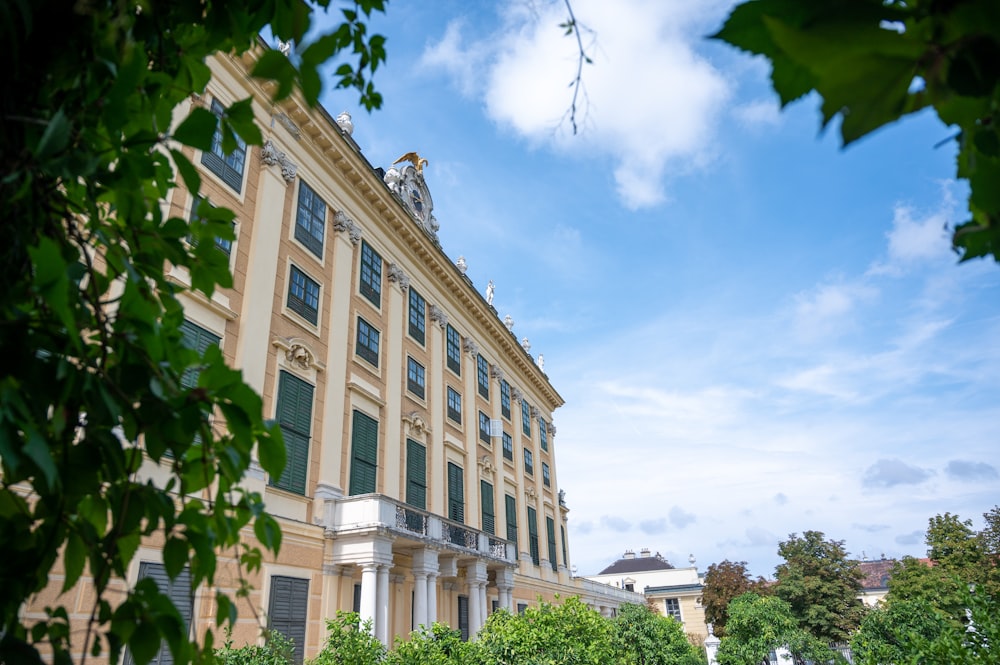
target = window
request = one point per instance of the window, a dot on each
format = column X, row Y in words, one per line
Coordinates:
column 484, row 428
column 294, row 416
column 287, row 611
column 456, row 493
column 550, row 531
column 416, row 474
column 630, row 586
column 529, row 467
column 511, row 505
column 525, row 417
column 533, row 535
column 364, row 454
column 463, row 617
column 505, row 399
column 483, row 376
column 562, row 532
column 179, row 592
column 454, row 349
column 454, row 406
column 489, row 517
column 522, row 608
column 546, row 477
column 418, row 316
column 310, row 219
column 303, row 295
column 371, row 274
column 508, row 447
column 367, row 346
column 673, row 607
column 543, row 434
column 198, row 339
column 228, row 167
column 225, row 245
column 415, row 377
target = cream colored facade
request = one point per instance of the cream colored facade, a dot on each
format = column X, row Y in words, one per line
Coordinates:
column 300, row 320
column 671, row 591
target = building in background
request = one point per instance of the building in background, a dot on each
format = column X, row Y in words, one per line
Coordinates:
column 421, row 482
column 674, row 592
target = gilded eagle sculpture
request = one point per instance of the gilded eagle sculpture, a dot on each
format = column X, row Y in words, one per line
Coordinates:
column 418, row 162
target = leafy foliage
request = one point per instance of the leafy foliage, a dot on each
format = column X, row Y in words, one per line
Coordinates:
column 874, row 61
column 888, row 634
column 94, row 389
column 438, row 646
column 276, row 650
column 759, row 624
column 565, row 634
column 963, row 645
column 349, row 642
column 643, row 637
column 820, row 585
column 723, row 582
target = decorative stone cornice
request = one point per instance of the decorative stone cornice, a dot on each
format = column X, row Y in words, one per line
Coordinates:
column 287, row 123
column 271, row 156
column 496, row 372
column 438, row 315
column 516, row 394
column 344, row 224
column 535, row 412
column 552, row 429
column 298, row 354
column 415, row 422
column 398, row 277
column 486, row 466
column 530, row 493
column 470, row 346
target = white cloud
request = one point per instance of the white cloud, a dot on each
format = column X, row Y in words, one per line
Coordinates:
column 757, row 114
column 916, row 238
column 649, row 102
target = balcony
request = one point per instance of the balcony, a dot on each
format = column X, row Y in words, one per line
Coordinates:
column 356, row 515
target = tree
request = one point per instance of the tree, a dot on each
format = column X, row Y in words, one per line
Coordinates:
column 643, row 637
column 569, row 633
column 760, row 624
column 723, row 582
column 438, row 646
column 821, row 585
column 350, row 642
column 888, row 634
column 875, row 61
column 974, row 643
column 913, row 580
column 98, row 378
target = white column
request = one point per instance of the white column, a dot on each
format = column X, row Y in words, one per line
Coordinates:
column 382, row 605
column 419, row 600
column 484, row 602
column 474, row 615
column 432, row 599
column 369, row 581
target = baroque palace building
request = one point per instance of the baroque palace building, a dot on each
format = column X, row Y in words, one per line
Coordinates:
column 421, row 482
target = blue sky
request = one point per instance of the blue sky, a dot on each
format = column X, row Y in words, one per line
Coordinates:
column 756, row 332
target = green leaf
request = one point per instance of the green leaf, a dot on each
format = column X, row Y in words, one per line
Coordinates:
column 75, row 556
column 55, row 138
column 268, row 532
column 271, row 450
column 189, row 174
column 175, row 556
column 241, row 118
column 197, row 129
column 275, row 66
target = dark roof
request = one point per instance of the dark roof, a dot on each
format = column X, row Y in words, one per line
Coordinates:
column 877, row 573
column 637, row 564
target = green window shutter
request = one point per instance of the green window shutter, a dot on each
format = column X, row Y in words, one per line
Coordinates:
column 197, row 339
column 416, row 474
column 288, row 610
column 179, row 592
column 512, row 522
column 364, row 454
column 456, row 493
column 550, row 528
column 562, row 532
column 533, row 535
column 294, row 414
column 489, row 517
